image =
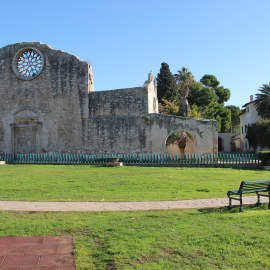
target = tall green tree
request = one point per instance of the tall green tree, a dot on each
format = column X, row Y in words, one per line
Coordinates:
column 262, row 101
column 166, row 86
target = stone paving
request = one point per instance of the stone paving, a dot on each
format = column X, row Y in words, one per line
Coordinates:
column 37, row 253
column 122, row 206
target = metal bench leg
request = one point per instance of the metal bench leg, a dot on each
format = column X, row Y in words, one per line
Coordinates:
column 230, row 204
column 259, row 200
column 241, row 209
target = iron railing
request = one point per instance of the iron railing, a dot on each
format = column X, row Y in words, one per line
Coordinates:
column 133, row 158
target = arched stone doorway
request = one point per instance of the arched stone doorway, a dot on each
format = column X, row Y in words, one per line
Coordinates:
column 26, row 132
column 180, row 142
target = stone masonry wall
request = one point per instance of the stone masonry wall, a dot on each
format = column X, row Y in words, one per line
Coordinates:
column 130, row 101
column 59, row 94
column 117, row 135
column 55, row 110
column 203, row 132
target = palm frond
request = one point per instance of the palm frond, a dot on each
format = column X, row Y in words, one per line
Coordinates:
column 262, row 100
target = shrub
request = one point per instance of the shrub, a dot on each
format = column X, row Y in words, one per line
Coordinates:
column 264, row 156
column 259, row 134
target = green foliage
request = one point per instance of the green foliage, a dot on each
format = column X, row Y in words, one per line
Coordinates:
column 235, row 111
column 166, row 86
column 168, row 107
column 146, row 117
column 209, row 81
column 223, row 94
column 173, row 138
column 202, row 96
column 225, row 118
column 264, row 156
column 195, row 113
column 262, row 101
column 171, row 108
column 259, row 134
column 184, row 80
column 206, row 98
column 235, row 119
column 209, row 103
column 252, row 135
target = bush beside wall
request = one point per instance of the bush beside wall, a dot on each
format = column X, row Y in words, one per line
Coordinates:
column 264, row 156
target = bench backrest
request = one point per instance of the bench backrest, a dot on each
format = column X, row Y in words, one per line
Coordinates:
column 255, row 185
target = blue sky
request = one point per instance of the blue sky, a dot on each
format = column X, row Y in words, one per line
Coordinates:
column 124, row 40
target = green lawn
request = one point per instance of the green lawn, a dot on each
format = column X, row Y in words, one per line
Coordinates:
column 95, row 183
column 172, row 239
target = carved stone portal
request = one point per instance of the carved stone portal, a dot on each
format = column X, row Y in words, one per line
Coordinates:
column 26, row 131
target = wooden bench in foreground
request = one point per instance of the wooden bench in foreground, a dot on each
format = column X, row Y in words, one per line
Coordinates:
column 254, row 186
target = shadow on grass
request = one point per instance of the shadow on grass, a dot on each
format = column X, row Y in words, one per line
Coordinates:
column 248, row 169
column 235, row 209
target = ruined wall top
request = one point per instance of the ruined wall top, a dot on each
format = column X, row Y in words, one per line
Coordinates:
column 28, row 61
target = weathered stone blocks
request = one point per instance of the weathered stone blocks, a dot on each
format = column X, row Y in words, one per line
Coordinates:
column 48, row 104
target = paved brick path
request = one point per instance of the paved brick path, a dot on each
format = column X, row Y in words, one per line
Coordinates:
column 121, row 206
column 37, row 253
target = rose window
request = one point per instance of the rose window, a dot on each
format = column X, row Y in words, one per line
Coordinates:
column 29, row 63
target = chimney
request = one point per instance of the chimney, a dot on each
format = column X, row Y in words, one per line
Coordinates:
column 251, row 98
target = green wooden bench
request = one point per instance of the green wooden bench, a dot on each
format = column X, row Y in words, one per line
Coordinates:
column 254, row 186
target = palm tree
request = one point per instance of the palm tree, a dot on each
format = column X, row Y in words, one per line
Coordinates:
column 184, row 80
column 262, row 101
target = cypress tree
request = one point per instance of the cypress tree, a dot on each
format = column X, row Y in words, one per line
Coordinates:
column 166, row 86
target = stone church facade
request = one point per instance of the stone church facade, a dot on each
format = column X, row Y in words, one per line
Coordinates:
column 48, row 104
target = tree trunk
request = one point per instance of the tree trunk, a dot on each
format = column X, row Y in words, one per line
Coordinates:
column 184, row 107
column 182, row 142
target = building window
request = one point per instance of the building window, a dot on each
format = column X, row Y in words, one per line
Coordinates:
column 248, row 109
column 28, row 63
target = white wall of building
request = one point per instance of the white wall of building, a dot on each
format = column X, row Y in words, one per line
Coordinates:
column 225, row 139
column 248, row 117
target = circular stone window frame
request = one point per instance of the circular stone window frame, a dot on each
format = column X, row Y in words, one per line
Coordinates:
column 15, row 63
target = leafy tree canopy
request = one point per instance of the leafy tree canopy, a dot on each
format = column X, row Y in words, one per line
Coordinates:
column 223, row 94
column 225, row 115
column 235, row 119
column 209, row 98
column 171, row 108
column 209, row 81
column 235, row 111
